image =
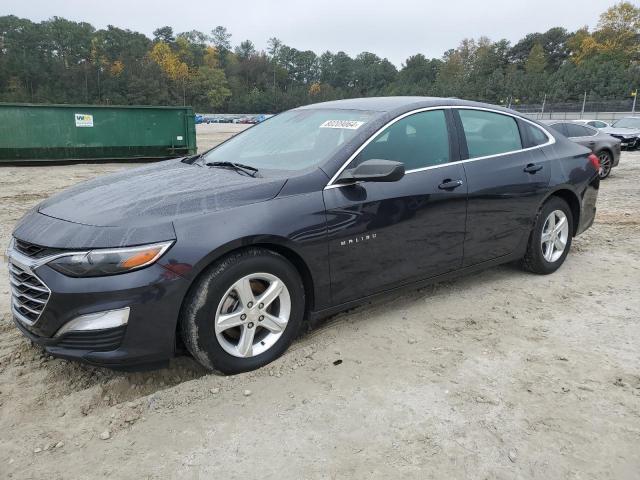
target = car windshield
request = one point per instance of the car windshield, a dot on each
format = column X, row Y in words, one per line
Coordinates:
column 627, row 123
column 293, row 140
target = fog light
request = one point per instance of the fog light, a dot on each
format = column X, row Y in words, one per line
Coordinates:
column 96, row 321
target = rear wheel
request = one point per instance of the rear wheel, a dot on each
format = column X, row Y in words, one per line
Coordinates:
column 243, row 312
column 606, row 162
column 550, row 238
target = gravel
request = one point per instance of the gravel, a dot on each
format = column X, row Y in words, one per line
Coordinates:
column 512, row 375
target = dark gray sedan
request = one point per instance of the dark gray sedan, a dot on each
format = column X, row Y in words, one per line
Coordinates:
column 606, row 147
column 232, row 252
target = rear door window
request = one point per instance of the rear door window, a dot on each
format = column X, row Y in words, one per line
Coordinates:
column 489, row 133
column 579, row 130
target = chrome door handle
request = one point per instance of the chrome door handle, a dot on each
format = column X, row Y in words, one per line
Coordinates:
column 532, row 168
column 449, row 184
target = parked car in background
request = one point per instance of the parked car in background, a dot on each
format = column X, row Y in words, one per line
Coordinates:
column 297, row 218
column 599, row 124
column 626, row 129
column 606, row 147
column 247, row 120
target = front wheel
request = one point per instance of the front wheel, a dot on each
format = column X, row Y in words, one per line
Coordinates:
column 550, row 238
column 606, row 162
column 243, row 312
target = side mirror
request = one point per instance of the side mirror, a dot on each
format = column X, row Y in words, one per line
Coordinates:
column 374, row 171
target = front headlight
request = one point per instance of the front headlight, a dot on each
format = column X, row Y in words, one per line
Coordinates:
column 97, row 263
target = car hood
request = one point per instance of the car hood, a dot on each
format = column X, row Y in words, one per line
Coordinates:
column 157, row 193
column 621, row 131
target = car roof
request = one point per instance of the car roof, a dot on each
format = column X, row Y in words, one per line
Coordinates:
column 398, row 104
column 577, row 122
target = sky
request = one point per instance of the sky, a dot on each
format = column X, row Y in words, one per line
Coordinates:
column 395, row 29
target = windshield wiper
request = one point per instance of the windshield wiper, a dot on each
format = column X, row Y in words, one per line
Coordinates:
column 248, row 169
column 192, row 159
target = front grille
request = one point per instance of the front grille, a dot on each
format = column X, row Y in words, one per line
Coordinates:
column 29, row 294
column 35, row 251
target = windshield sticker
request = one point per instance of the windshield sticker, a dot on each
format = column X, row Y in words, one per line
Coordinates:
column 348, row 124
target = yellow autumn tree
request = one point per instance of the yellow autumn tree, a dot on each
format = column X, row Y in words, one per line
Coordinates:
column 169, row 62
column 210, row 80
column 315, row 89
column 617, row 34
column 116, row 68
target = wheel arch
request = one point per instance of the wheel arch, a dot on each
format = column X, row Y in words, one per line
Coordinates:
column 605, row 148
column 611, row 156
column 274, row 244
column 572, row 200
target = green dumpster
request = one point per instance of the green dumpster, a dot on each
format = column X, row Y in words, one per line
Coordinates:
column 30, row 132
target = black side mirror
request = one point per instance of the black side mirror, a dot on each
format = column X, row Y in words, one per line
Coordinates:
column 374, row 171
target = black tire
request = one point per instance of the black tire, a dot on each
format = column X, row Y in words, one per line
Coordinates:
column 200, row 306
column 606, row 163
column 534, row 260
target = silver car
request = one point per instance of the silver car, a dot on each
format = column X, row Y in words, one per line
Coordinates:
column 627, row 129
column 599, row 124
column 606, row 147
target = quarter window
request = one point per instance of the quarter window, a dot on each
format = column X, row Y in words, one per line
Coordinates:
column 535, row 135
column 419, row 140
column 489, row 133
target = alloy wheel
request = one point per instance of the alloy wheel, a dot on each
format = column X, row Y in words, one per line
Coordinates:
column 555, row 234
column 605, row 164
column 252, row 315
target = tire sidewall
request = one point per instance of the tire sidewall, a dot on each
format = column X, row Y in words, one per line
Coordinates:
column 200, row 314
column 542, row 264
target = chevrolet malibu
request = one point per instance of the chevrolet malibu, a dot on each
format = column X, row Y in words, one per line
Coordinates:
column 309, row 213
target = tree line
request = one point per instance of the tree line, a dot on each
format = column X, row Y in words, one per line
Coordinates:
column 62, row 61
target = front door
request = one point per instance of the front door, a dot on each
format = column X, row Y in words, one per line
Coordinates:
column 383, row 235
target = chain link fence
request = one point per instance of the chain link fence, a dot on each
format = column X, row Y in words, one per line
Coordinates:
column 608, row 111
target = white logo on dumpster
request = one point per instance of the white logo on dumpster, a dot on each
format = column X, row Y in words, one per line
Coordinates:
column 84, row 120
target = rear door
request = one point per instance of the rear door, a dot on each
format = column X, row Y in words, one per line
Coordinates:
column 506, row 178
column 383, row 235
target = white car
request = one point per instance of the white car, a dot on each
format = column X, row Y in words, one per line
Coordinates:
column 594, row 123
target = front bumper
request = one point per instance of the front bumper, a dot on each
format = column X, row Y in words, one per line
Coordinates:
column 629, row 143
column 153, row 296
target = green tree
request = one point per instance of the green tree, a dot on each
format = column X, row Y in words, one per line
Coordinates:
column 62, row 61
column 163, row 34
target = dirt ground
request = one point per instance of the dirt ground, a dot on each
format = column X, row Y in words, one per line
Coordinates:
column 210, row 135
column 501, row 374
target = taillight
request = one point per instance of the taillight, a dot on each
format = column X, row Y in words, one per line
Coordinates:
column 595, row 161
